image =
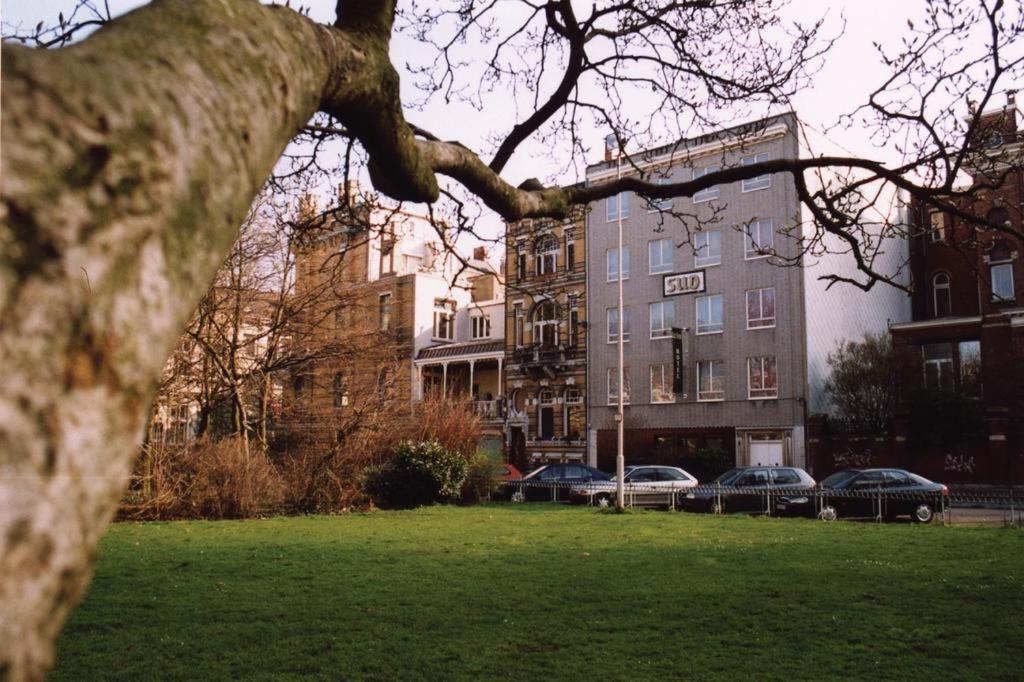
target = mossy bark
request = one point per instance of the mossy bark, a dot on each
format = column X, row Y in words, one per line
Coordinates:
column 128, row 163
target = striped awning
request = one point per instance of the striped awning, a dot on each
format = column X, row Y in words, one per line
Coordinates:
column 454, row 350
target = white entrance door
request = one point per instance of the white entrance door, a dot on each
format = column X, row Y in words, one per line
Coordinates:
column 765, row 453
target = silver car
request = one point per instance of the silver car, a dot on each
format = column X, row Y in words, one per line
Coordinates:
column 645, row 485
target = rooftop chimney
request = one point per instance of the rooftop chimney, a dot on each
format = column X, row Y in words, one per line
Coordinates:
column 350, row 197
column 307, row 206
column 610, row 145
column 1011, row 98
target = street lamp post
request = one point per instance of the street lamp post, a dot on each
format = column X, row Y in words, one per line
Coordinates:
column 620, row 459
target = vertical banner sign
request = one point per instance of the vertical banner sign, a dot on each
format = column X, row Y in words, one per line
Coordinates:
column 677, row 361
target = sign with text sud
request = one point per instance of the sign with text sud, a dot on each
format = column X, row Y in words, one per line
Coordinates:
column 681, row 283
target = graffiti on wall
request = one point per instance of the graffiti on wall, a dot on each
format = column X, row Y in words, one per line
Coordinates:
column 848, row 458
column 959, row 463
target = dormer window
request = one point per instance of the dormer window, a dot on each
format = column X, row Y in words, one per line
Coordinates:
column 993, row 141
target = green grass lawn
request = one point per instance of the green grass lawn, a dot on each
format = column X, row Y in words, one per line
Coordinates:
column 538, row 591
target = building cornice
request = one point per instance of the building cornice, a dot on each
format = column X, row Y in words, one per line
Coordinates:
column 678, row 152
column 931, row 324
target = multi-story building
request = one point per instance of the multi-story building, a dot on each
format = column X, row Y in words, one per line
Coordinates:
column 743, row 330
column 439, row 314
column 546, row 341
column 966, row 339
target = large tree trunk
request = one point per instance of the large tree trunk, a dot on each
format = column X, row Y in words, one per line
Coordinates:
column 129, row 161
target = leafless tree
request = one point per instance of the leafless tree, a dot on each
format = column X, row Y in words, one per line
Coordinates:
column 131, row 157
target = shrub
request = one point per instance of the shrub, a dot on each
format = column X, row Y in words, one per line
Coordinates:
column 450, row 420
column 209, row 479
column 482, row 478
column 419, row 473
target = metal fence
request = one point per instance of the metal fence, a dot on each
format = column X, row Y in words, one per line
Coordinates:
column 824, row 503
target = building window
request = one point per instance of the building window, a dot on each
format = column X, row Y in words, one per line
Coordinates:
column 761, row 308
column 612, row 206
column 546, row 396
column 761, row 181
column 570, row 250
column 660, row 255
column 545, row 324
column 663, row 318
column 661, row 384
column 970, row 368
column 710, row 380
column 387, row 251
column 709, row 314
column 654, row 205
column 759, row 239
column 546, row 254
column 340, row 393
column 521, row 261
column 480, row 326
column 938, row 366
column 444, row 319
column 762, row 380
column 1002, row 281
column 941, row 296
column 613, row 385
column 613, row 264
column 710, row 193
column 384, row 311
column 707, row 248
column 613, row 324
column 574, row 319
column 937, row 225
column 573, row 396
column 518, row 319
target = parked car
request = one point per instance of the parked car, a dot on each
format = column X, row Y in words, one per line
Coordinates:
column 508, row 472
column 748, row 489
column 870, row 493
column 550, row 483
column 647, row 484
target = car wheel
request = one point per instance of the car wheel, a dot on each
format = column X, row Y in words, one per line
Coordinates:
column 923, row 513
column 603, row 501
column 828, row 513
column 518, row 496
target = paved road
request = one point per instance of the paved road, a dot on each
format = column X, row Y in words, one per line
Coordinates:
column 959, row 516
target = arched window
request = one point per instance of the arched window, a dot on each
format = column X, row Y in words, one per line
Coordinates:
column 545, row 324
column 546, row 396
column 518, row 400
column 545, row 250
column 941, row 295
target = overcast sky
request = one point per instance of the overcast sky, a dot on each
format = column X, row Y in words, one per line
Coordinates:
column 851, row 70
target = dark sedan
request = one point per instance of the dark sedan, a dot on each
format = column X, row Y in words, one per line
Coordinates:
column 550, row 483
column 879, row 493
column 747, row 489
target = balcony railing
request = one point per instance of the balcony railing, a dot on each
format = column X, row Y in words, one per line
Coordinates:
column 545, row 355
column 558, row 440
column 489, row 409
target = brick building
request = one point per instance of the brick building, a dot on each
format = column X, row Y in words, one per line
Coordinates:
column 964, row 347
column 430, row 320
